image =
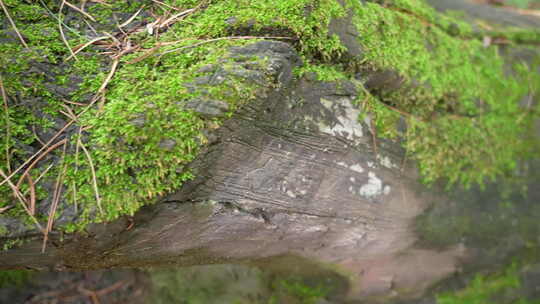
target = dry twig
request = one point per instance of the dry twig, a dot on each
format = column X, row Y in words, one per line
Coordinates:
column 81, row 47
column 21, row 199
column 151, row 51
column 5, row 208
column 166, row 5
column 56, row 199
column 74, row 103
column 38, row 153
column 130, row 18
column 62, row 30
column 94, row 178
column 176, row 16
column 8, row 135
column 89, row 293
column 80, row 11
column 73, row 185
column 42, row 174
column 13, row 24
column 32, row 188
column 109, row 77
column 56, row 145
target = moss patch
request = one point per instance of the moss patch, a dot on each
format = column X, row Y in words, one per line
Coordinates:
column 465, row 115
column 502, row 287
column 142, row 135
column 10, row 278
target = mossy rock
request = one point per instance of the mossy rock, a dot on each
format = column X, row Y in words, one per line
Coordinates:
column 465, row 120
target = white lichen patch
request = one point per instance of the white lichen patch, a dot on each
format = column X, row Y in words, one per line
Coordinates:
column 342, row 164
column 357, row 168
column 290, row 194
column 348, row 125
column 374, row 186
column 385, row 161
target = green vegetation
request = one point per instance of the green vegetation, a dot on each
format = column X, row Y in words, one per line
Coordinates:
column 522, row 3
column 14, row 277
column 465, row 122
column 232, row 284
column 295, row 290
column 323, row 72
column 486, row 289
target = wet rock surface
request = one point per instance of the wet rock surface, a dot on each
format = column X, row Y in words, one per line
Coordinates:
column 119, row 286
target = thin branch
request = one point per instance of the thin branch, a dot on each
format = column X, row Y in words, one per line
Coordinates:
column 3, row 209
column 74, row 103
column 26, row 172
column 80, row 11
column 69, row 113
column 73, row 185
column 8, row 135
column 56, row 199
column 131, row 18
column 37, row 154
column 176, row 16
column 16, row 192
column 32, row 187
column 94, row 178
column 34, row 132
column 151, row 51
column 118, row 43
column 126, row 50
column 91, row 27
column 13, row 24
column 79, row 48
column 109, row 77
column 58, row 19
column 165, row 4
column 89, row 293
column 21, row 199
column 400, row 111
column 43, row 174
column 62, row 30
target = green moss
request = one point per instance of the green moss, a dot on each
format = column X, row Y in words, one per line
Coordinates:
column 143, row 107
column 23, row 83
column 10, row 278
column 296, row 290
column 132, row 168
column 460, row 105
column 323, row 72
column 500, row 287
column 11, row 243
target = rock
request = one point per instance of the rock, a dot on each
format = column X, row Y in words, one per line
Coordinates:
column 167, row 144
column 138, row 121
column 345, row 29
column 209, row 108
column 12, row 227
